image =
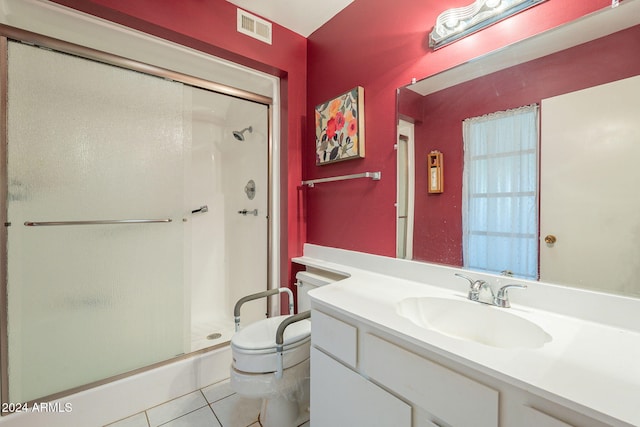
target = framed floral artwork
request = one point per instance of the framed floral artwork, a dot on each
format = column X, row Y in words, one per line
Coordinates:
column 340, row 128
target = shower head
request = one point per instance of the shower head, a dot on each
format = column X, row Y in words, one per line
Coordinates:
column 239, row 134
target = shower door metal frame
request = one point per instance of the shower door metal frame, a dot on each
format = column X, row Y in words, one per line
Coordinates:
column 8, row 33
column 4, row 191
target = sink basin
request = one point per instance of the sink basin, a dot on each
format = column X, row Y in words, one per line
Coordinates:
column 473, row 321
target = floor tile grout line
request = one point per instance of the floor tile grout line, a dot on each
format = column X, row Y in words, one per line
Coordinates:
column 211, row 407
column 183, row 415
column 215, row 415
column 222, row 398
column 207, row 403
column 127, row 417
column 219, row 399
column 171, row 400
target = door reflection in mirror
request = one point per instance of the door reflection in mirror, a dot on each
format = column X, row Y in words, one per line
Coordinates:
column 405, row 190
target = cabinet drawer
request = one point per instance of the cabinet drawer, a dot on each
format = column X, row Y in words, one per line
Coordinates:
column 335, row 337
column 341, row 397
column 449, row 396
column 534, row 418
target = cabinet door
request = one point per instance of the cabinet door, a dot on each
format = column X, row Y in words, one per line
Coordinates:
column 453, row 398
column 342, row 398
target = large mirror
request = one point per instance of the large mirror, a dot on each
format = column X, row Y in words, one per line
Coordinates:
column 583, row 80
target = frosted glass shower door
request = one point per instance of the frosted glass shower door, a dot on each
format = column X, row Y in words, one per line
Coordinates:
column 89, row 141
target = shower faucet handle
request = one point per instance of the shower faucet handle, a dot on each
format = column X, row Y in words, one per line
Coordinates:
column 247, row 212
column 201, row 209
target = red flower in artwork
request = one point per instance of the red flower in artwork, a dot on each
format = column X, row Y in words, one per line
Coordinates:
column 331, row 128
column 340, row 121
column 352, row 127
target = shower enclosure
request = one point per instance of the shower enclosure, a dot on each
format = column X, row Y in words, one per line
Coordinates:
column 134, row 218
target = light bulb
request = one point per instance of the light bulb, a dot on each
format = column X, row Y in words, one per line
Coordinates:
column 451, row 23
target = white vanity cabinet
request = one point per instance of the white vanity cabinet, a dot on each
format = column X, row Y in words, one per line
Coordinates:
column 362, row 376
column 358, row 379
column 339, row 395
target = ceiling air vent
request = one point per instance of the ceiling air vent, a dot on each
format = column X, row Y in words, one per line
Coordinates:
column 253, row 26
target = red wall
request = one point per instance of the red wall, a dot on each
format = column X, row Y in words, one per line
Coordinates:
column 438, row 218
column 210, row 26
column 382, row 45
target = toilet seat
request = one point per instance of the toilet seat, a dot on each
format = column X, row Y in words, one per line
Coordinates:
column 254, row 347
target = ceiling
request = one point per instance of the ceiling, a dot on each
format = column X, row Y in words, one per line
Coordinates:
column 300, row 16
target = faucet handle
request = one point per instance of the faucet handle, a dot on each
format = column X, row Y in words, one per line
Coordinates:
column 502, row 298
column 471, row 281
column 474, row 286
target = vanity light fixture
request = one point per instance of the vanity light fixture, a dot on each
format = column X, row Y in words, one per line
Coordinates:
column 456, row 23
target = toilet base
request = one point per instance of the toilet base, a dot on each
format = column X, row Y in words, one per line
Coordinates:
column 282, row 399
column 279, row 412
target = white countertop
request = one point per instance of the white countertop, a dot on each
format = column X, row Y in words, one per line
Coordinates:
column 590, row 367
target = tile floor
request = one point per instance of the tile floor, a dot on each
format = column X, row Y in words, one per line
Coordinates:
column 213, row 406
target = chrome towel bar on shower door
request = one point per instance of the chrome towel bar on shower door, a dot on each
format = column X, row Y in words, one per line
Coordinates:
column 96, row 222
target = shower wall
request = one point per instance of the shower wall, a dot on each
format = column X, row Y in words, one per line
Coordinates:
column 227, row 247
column 89, row 141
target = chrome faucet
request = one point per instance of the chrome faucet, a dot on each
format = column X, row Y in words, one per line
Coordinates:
column 502, row 299
column 480, row 291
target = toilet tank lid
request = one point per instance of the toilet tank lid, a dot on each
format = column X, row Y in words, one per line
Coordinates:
column 314, row 279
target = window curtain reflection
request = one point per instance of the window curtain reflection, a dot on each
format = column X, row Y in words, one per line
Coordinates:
column 500, row 192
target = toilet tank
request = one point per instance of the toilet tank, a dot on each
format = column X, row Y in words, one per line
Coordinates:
column 311, row 279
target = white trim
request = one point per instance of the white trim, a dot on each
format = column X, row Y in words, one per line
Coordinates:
column 407, row 129
column 276, row 133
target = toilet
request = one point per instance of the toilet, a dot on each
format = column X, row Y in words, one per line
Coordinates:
column 256, row 370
